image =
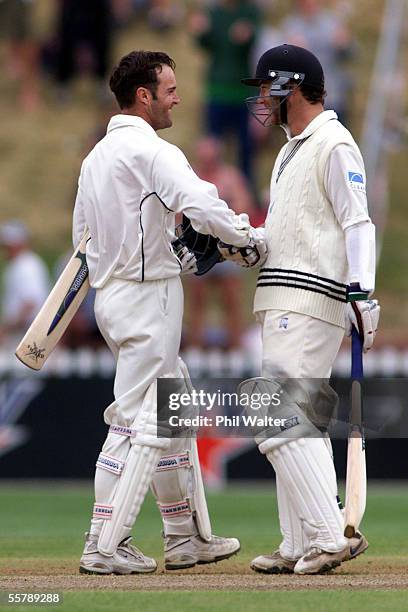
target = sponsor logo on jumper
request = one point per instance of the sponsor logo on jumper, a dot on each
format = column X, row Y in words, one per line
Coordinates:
column 356, row 181
column 35, row 352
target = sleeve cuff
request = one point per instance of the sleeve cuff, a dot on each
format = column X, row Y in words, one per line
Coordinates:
column 355, row 293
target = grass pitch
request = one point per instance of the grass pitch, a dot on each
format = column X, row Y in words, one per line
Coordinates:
column 41, row 542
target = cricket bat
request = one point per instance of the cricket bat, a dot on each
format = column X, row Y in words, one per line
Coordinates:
column 57, row 311
column 356, row 479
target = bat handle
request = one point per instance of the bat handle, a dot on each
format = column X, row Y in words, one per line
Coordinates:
column 356, row 355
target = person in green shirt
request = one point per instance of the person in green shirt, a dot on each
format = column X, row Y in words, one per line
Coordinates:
column 227, row 32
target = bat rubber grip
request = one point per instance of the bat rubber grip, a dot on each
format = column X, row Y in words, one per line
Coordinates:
column 356, row 355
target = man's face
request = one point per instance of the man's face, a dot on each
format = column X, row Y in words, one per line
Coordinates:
column 270, row 103
column 165, row 98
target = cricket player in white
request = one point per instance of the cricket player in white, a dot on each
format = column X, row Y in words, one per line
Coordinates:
column 131, row 186
column 321, row 249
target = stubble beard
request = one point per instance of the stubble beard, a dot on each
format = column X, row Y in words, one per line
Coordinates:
column 163, row 121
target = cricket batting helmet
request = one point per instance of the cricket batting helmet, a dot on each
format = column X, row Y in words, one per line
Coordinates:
column 285, row 67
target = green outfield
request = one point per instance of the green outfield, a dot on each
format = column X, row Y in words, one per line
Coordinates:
column 41, row 542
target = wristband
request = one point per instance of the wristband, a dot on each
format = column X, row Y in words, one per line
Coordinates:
column 355, row 293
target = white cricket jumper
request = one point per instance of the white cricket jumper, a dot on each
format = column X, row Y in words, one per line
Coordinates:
column 314, row 199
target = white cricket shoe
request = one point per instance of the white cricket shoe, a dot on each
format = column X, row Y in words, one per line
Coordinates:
column 181, row 552
column 357, row 545
column 273, row 564
column 127, row 559
column 318, row 561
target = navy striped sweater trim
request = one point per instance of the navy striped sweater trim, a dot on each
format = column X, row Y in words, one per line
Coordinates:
column 278, row 277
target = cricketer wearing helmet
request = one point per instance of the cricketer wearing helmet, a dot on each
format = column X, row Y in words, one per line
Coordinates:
column 321, row 255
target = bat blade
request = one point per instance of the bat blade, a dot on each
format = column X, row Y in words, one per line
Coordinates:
column 57, row 311
column 356, row 479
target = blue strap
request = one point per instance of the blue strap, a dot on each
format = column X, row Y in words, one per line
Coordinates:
column 356, row 355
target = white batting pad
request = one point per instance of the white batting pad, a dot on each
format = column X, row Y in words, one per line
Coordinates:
column 295, row 543
column 305, row 469
column 109, row 467
column 179, row 491
column 136, row 476
column 294, row 423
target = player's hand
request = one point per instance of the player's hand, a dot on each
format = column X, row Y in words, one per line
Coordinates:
column 186, row 258
column 364, row 315
column 250, row 256
column 241, row 222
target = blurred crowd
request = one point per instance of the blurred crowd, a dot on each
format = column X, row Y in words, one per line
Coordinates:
column 230, row 35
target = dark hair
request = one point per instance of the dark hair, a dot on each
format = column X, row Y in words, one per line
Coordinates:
column 313, row 94
column 137, row 69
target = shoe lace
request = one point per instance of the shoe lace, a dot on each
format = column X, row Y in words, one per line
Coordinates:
column 315, row 550
column 134, row 550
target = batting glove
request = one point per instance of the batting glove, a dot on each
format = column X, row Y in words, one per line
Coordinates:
column 363, row 314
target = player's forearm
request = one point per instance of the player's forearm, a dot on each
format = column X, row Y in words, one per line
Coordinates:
column 220, row 221
column 182, row 191
column 360, row 249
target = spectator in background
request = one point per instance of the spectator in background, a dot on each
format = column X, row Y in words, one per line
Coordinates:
column 161, row 15
column 164, row 14
column 25, row 283
column 322, row 31
column 84, row 37
column 227, row 32
column 226, row 277
column 16, row 30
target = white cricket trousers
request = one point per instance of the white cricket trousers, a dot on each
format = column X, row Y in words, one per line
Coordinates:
column 141, row 323
column 299, row 346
